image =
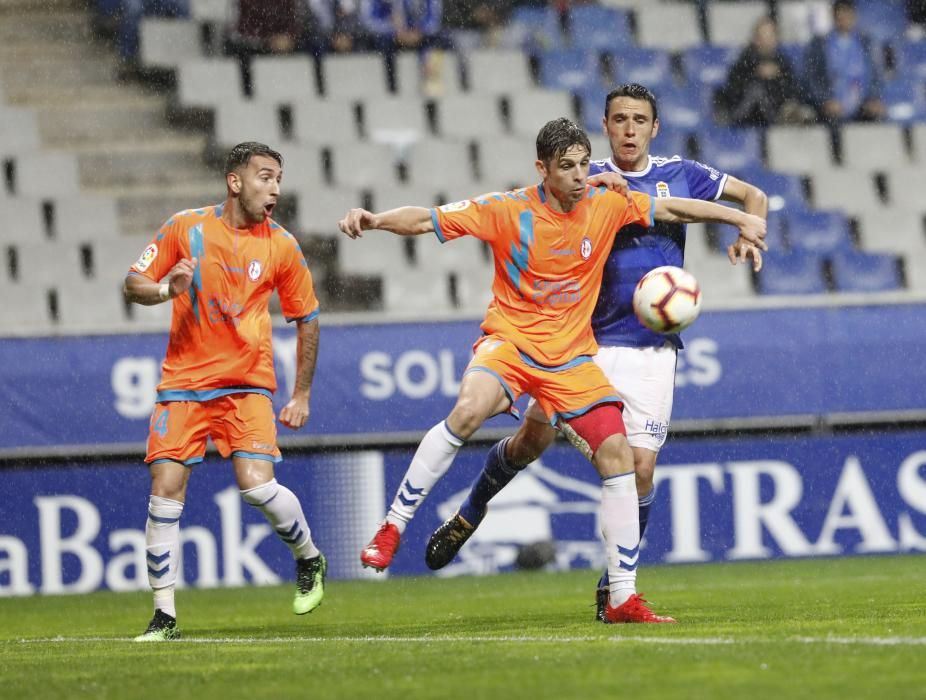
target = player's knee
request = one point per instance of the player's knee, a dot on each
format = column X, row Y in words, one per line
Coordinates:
column 466, row 418
column 644, row 467
column 613, row 456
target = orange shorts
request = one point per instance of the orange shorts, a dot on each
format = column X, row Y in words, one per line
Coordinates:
column 562, row 392
column 240, row 425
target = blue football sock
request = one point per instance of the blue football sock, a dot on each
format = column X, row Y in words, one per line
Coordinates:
column 645, row 503
column 494, row 476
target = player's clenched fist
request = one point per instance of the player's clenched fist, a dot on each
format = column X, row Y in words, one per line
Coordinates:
column 752, row 229
column 356, row 222
column 180, row 276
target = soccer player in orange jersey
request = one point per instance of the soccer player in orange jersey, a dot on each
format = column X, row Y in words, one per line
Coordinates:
column 218, row 266
column 550, row 244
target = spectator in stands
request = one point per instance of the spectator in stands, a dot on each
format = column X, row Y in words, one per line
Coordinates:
column 916, row 15
column 761, row 87
column 843, row 79
column 337, row 25
column 130, row 13
column 405, row 24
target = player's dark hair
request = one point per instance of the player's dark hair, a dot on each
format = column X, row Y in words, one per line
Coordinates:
column 558, row 136
column 634, row 91
column 241, row 155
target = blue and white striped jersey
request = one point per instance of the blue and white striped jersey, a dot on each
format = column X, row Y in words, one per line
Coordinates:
column 638, row 249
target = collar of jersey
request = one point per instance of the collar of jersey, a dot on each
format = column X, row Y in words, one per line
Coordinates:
column 627, row 173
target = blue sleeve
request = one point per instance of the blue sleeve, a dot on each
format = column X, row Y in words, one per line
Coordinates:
column 704, row 182
column 596, row 167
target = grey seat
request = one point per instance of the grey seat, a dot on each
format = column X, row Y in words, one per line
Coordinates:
column 354, row 76
column 205, row 83
column 85, row 218
column 392, row 196
column 325, row 121
column 25, row 310
column 446, row 165
column 507, row 162
column 22, row 219
column 48, row 264
column 873, row 147
column 283, row 79
column 849, row 191
column 498, row 72
column 302, row 167
column 419, row 292
column 378, row 253
column 731, row 23
column 668, row 26
column 799, row 149
column 362, row 164
column 904, row 188
column 893, row 230
column 531, row 110
column 19, row 130
column 320, row 210
column 165, row 43
column 88, row 306
column 237, row 121
column 399, row 120
column 469, row 116
column 47, row 174
column 435, row 74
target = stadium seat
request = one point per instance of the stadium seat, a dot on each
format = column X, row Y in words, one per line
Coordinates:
column 730, row 149
column 911, row 58
column 708, row 65
column 668, row 26
column 165, row 42
column 855, row 271
column 791, row 273
column 236, row 122
column 905, row 99
column 51, row 264
column 784, row 191
column 87, row 305
column 731, row 23
column 325, row 122
column 873, row 147
column 671, row 142
column 22, row 219
column 20, row 132
column 445, row 165
column 361, row 164
column 649, row 67
column 354, row 76
column 601, row 147
column 212, row 10
column 418, row 292
column 531, row 110
column 319, row 210
column 774, row 234
column 469, row 116
column 533, row 28
column 882, row 20
column 203, row 83
column 894, row 230
column 396, row 120
column 849, row 191
column 437, row 75
column 498, row 72
column 47, row 174
column 303, row 167
column 598, row 28
column 25, row 310
column 821, row 232
column 918, row 133
column 904, row 189
column 569, row 69
column 282, row 79
column 474, row 289
column 591, row 105
column 719, row 281
column 506, row 162
column 799, row 149
column 85, row 218
column 800, row 20
column 113, row 257
column 149, row 318
column 465, row 256
column 683, row 108
column 377, row 253
column 390, row 196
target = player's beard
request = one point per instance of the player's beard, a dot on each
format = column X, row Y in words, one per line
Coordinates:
column 253, row 212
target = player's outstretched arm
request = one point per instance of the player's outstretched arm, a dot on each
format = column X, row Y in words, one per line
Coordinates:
column 678, row 210
column 753, row 201
column 138, row 289
column 404, row 221
column 295, row 414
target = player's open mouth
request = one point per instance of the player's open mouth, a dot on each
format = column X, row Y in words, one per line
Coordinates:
column 268, row 208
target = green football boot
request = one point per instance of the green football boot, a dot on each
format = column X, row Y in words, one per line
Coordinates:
column 162, row 628
column 310, row 584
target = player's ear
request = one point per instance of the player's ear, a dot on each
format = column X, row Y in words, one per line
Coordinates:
column 233, row 180
column 655, row 127
column 604, row 125
column 541, row 168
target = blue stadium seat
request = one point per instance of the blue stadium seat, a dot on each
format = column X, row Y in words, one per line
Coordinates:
column 774, row 234
column 905, row 99
column 731, row 149
column 671, row 142
column 599, row 28
column 649, row 67
column 791, row 273
column 822, row 232
column 782, row 190
column 708, row 65
column 911, row 59
column 535, row 28
column 855, row 271
column 684, row 108
column 882, row 20
column 569, row 69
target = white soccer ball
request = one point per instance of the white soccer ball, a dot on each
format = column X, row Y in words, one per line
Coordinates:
column 667, row 299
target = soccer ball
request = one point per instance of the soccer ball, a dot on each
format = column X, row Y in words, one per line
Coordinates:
column 667, row 299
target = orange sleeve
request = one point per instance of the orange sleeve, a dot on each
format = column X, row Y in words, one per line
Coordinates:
column 470, row 217
column 294, row 282
column 639, row 210
column 164, row 251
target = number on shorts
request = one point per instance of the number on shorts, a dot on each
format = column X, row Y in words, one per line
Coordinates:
column 160, row 426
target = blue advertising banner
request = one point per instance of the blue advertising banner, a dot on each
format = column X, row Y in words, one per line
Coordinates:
column 71, row 529
column 403, row 377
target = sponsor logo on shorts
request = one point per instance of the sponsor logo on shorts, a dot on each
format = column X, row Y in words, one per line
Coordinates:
column 260, row 445
column 254, row 270
column 657, row 428
column 147, row 257
column 585, row 250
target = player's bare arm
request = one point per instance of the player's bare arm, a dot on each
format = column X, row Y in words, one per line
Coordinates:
column 679, row 210
column 138, row 289
column 613, row 181
column 295, row 414
column 753, row 201
column 404, row 221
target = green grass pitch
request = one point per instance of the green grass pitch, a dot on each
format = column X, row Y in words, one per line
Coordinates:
column 835, row 628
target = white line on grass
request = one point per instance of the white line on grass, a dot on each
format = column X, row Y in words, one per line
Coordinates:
column 681, row 641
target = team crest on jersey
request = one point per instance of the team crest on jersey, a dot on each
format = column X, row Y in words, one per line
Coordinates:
column 254, row 270
column 662, row 190
column 585, row 250
column 454, row 206
column 147, row 257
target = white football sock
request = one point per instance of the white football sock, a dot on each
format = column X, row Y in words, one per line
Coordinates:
column 162, row 549
column 432, row 459
column 620, row 525
column 282, row 509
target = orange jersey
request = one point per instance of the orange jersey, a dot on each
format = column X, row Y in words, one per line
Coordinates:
column 220, row 332
column 548, row 265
